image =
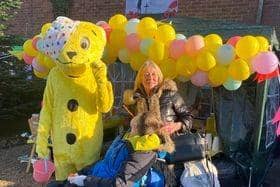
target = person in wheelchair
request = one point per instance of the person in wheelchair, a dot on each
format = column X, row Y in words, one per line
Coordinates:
column 127, row 162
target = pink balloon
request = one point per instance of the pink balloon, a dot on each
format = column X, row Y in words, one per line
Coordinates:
column 200, row 78
column 106, row 28
column 132, row 42
column 265, row 62
column 27, row 59
column 233, row 40
column 177, row 48
column 99, row 23
column 194, row 44
column 37, row 66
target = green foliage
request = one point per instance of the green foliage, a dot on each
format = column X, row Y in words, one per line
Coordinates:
column 7, row 10
column 11, row 40
column 60, row 7
column 20, row 91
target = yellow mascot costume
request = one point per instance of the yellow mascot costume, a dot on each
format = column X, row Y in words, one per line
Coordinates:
column 76, row 93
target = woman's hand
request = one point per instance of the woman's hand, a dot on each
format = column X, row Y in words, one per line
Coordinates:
column 171, row 127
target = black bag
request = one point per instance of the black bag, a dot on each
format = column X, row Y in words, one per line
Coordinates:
column 188, row 147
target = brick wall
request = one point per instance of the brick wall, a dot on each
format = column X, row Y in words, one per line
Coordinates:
column 34, row 13
column 271, row 12
column 95, row 10
column 30, row 17
column 244, row 11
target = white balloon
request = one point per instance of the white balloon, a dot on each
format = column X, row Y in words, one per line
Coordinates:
column 131, row 25
column 180, row 37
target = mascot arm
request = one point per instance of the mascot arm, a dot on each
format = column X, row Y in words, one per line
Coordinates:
column 45, row 122
column 105, row 97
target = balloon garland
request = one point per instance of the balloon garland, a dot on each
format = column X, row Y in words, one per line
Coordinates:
column 202, row 60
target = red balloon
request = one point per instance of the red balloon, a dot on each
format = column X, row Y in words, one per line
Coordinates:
column 233, row 40
column 27, row 59
column 106, row 28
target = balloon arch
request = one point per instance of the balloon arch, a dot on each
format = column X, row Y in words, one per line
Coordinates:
column 202, row 60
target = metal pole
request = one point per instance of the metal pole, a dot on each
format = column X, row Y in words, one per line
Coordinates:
column 259, row 12
column 250, row 176
column 262, row 110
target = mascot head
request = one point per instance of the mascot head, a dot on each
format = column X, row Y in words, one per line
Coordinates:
column 74, row 45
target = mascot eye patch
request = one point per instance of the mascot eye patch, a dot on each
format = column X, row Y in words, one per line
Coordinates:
column 85, row 43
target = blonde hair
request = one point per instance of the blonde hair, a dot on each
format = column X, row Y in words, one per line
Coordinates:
column 139, row 76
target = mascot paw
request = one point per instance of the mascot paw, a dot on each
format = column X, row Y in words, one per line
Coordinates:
column 99, row 70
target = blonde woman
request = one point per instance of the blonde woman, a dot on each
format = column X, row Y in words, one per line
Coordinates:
column 149, row 88
column 152, row 90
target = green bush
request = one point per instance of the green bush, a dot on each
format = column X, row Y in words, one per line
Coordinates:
column 7, row 11
column 20, row 91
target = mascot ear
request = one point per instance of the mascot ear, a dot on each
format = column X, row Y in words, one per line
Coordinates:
column 99, row 31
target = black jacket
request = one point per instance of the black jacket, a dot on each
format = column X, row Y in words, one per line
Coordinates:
column 172, row 106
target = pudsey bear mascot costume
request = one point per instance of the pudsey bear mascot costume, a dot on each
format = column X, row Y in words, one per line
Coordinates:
column 76, row 94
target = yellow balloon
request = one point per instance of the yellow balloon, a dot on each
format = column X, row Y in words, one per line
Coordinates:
column 45, row 28
column 110, row 54
column 109, row 59
column 29, row 49
column 39, row 69
column 213, row 42
column 218, row 75
column 147, row 27
column 49, row 62
column 40, row 74
column 156, row 51
column 213, row 38
column 239, row 70
column 166, row 52
column 213, row 49
column 40, row 59
column 247, row 47
column 137, row 60
column 185, row 66
column 205, row 61
column 165, row 33
column 117, row 21
column 168, row 68
column 117, row 39
column 263, row 43
column 250, row 65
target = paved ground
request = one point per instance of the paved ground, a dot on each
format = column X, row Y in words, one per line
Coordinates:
column 12, row 172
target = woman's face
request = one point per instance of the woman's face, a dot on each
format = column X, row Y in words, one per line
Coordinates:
column 149, row 78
